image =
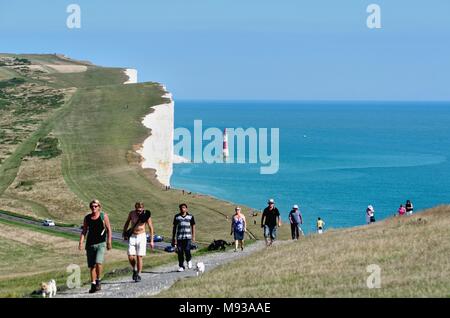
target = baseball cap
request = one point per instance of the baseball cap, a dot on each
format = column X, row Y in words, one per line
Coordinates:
column 295, row 206
column 271, row 201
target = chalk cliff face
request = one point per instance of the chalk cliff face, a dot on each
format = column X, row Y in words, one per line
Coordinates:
column 132, row 76
column 157, row 149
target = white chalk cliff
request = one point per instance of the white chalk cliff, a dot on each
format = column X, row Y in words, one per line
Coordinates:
column 157, row 149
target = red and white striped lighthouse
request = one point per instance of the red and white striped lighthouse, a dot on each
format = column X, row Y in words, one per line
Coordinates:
column 225, row 144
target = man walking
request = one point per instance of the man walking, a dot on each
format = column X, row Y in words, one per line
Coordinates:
column 320, row 225
column 269, row 221
column 99, row 238
column 295, row 217
column 137, row 241
column 183, row 234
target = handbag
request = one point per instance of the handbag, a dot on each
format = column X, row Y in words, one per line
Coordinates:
column 143, row 218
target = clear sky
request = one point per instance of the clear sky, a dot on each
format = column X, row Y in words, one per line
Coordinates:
column 250, row 49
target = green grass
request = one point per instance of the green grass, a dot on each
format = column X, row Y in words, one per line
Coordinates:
column 49, row 230
column 94, row 76
column 34, row 219
column 47, row 148
column 9, row 168
column 6, row 73
column 11, row 82
column 96, row 138
column 412, row 253
column 97, row 134
column 39, row 260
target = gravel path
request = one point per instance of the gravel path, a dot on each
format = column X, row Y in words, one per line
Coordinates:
column 159, row 278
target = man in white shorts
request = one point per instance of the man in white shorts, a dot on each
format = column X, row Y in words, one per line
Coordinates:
column 137, row 241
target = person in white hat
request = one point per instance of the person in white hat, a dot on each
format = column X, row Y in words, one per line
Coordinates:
column 370, row 214
column 295, row 217
column 269, row 221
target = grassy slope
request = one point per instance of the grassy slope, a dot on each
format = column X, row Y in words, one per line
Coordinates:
column 6, row 74
column 97, row 136
column 412, row 252
column 40, row 255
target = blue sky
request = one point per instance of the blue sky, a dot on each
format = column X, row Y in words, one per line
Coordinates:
column 250, row 49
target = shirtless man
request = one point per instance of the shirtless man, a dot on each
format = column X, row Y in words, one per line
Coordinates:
column 137, row 242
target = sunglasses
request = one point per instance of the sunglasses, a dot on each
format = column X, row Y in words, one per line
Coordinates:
column 94, row 206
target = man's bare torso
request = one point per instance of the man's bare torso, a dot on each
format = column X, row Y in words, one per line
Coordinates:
column 140, row 228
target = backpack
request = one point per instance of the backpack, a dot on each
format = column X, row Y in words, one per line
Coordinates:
column 169, row 249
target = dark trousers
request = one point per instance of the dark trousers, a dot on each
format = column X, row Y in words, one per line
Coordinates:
column 295, row 230
column 183, row 248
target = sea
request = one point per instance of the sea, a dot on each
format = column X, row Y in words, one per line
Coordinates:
column 335, row 158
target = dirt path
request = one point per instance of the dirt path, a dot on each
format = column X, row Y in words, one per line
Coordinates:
column 159, row 278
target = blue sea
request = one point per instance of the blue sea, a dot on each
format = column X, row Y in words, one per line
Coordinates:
column 335, row 157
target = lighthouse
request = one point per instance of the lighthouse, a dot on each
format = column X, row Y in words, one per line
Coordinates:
column 225, row 144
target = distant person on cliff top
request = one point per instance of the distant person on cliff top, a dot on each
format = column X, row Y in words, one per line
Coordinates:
column 137, row 238
column 238, row 228
column 370, row 214
column 409, row 207
column 99, row 238
column 183, row 235
column 401, row 210
column 320, row 225
column 295, row 217
column 269, row 221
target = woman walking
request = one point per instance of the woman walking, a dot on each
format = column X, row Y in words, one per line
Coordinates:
column 238, row 227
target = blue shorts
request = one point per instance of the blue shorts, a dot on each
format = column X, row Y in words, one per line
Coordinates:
column 270, row 231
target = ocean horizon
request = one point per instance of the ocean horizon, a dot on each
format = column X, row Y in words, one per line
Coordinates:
column 336, row 157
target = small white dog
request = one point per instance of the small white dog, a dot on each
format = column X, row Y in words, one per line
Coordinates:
column 200, row 268
column 49, row 289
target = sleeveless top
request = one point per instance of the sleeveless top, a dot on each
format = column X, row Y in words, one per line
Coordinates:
column 95, row 230
column 238, row 224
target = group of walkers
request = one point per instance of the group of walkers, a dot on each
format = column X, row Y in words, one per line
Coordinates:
column 406, row 209
column 97, row 230
column 271, row 220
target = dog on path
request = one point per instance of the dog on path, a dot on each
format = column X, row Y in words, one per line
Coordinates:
column 200, row 268
column 48, row 288
column 218, row 245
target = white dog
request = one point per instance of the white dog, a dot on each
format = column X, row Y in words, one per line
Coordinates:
column 200, row 268
column 49, row 289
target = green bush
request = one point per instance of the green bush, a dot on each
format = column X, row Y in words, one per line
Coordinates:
column 47, row 148
column 11, row 82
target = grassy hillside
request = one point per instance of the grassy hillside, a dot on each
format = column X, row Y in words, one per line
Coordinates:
column 39, row 255
column 412, row 253
column 93, row 131
column 97, row 139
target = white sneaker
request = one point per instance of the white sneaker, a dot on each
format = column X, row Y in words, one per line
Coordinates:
column 190, row 264
column 181, row 269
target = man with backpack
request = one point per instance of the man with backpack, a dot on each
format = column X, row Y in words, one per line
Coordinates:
column 137, row 237
column 97, row 227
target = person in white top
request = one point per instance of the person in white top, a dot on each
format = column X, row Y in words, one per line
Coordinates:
column 370, row 214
